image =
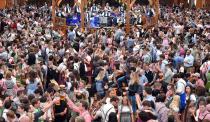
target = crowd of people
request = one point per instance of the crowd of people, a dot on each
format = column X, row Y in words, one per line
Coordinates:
column 156, row 74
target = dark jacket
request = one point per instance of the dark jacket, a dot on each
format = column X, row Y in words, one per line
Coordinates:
column 133, row 89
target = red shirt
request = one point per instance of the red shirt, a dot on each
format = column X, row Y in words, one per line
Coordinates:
column 14, row 25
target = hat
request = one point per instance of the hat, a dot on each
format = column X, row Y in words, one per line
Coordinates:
column 56, row 87
column 196, row 75
column 62, row 87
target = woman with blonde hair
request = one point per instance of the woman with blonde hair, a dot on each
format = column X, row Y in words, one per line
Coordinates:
column 134, row 78
column 133, row 89
column 100, row 83
column 175, row 103
column 125, row 112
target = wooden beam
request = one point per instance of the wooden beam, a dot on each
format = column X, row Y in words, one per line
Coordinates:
column 128, row 8
column 53, row 12
column 132, row 3
column 2, row 4
column 85, row 3
column 82, row 5
column 157, row 9
column 129, row 5
column 58, row 2
column 9, row 3
column 199, row 4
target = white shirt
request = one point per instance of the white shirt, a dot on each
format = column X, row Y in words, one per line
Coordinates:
column 158, row 54
column 180, row 86
column 19, row 26
column 125, row 109
column 168, row 75
column 178, row 29
column 61, row 67
column 94, row 9
column 13, row 79
column 69, row 85
column 12, row 37
column 4, row 115
column 76, row 66
column 106, row 110
column 200, row 26
column 192, row 97
column 188, row 61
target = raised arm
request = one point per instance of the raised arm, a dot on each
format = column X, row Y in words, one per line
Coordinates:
column 72, row 105
column 49, row 105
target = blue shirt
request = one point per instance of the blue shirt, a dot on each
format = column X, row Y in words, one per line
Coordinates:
column 142, row 80
column 71, row 36
column 130, row 43
column 150, row 98
column 177, row 61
